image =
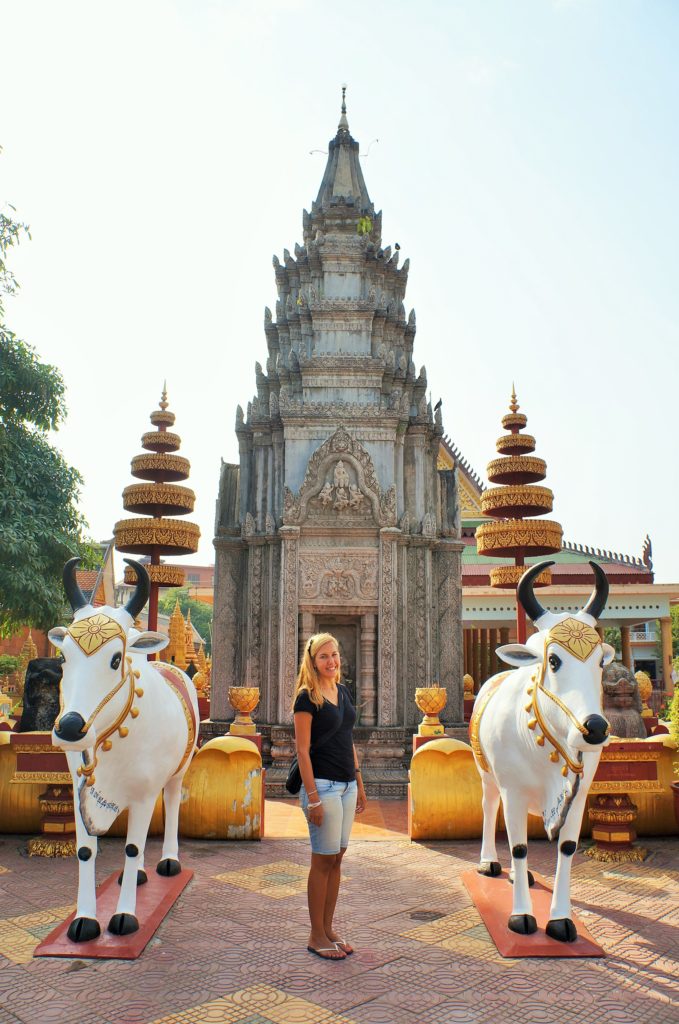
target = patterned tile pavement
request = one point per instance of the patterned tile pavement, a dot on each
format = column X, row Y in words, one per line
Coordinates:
column 233, row 950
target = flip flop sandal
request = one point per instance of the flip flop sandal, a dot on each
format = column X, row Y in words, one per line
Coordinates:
column 326, row 949
column 342, row 944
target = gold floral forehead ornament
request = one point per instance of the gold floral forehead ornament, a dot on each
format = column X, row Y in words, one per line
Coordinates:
column 575, row 636
column 92, row 633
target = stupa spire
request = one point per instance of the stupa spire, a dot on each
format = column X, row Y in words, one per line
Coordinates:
column 343, row 196
column 343, row 125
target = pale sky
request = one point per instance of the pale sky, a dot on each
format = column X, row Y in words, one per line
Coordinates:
column 527, row 164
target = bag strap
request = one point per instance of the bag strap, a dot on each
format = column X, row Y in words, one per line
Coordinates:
column 329, row 735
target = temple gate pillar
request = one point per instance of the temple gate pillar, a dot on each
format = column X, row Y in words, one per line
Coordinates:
column 626, row 646
column 666, row 645
column 484, row 655
column 289, row 605
column 476, row 658
column 448, row 577
column 493, row 644
column 368, row 690
column 227, row 619
column 387, row 709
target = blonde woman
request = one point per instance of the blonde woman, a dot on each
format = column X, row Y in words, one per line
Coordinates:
column 332, row 788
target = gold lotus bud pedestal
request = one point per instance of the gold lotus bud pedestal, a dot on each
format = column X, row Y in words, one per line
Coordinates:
column 244, row 700
column 431, row 700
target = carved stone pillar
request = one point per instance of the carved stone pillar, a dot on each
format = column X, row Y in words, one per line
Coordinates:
column 308, row 628
column 626, row 646
column 492, row 640
column 367, row 694
column 289, row 606
column 476, row 658
column 253, row 664
column 484, row 656
column 387, row 709
column 226, row 638
column 449, row 582
column 666, row 646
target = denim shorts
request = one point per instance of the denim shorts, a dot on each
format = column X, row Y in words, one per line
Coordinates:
column 339, row 808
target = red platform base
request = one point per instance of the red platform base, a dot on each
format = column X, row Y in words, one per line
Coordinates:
column 492, row 897
column 154, row 901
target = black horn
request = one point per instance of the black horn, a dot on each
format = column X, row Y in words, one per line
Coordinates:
column 524, row 591
column 142, row 590
column 599, row 596
column 74, row 594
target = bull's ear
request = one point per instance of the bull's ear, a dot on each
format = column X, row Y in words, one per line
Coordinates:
column 518, row 655
column 148, row 642
column 56, row 636
column 609, row 654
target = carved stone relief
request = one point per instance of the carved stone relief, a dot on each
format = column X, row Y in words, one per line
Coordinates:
column 339, row 578
column 340, row 480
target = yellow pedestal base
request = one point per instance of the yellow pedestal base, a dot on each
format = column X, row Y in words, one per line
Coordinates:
column 242, row 728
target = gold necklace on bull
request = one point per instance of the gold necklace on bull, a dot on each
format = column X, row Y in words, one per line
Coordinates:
column 578, row 639
column 91, row 634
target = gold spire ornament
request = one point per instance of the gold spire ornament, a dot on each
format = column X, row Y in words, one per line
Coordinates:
column 159, row 497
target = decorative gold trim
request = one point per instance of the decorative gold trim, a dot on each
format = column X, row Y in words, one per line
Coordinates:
column 160, row 418
column 38, row 748
column 633, row 755
column 517, row 495
column 517, row 464
column 627, row 786
column 636, row 853
column 510, row 535
column 163, row 439
column 188, row 712
column 612, row 817
column 92, row 633
column 163, row 575
column 509, row 576
column 526, row 441
column 574, row 636
column 170, row 496
column 514, row 419
column 160, row 463
column 49, row 777
column 475, row 722
column 42, row 847
column 171, row 534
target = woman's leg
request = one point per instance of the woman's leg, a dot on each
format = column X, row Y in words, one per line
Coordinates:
column 334, row 878
column 325, row 843
column 322, row 866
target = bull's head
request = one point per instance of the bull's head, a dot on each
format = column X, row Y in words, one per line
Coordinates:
column 98, row 678
column 569, row 657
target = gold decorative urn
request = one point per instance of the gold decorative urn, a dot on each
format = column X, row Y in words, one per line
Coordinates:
column 244, row 700
column 645, row 690
column 431, row 700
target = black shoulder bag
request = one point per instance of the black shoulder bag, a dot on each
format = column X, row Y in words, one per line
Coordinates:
column 293, row 783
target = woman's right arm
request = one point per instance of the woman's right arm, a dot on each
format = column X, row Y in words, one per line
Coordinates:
column 303, row 743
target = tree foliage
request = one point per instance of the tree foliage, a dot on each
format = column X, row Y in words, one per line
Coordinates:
column 201, row 613
column 40, row 526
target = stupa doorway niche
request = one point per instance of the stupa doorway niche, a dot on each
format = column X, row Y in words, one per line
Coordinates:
column 357, row 638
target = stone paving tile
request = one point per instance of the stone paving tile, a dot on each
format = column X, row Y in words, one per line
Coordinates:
column 223, row 940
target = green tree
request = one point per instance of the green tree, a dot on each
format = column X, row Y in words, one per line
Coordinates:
column 201, row 613
column 40, row 526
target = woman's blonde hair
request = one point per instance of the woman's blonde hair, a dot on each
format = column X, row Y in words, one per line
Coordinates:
column 307, row 677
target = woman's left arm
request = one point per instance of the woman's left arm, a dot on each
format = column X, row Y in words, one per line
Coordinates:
column 361, row 799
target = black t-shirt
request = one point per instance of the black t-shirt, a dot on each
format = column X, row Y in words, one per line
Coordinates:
column 335, row 758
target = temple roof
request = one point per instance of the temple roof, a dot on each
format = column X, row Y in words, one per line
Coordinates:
column 343, row 181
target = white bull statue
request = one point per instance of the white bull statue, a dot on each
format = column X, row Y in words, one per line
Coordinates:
column 537, row 736
column 128, row 727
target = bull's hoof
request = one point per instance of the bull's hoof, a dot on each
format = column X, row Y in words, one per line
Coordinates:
column 168, row 867
column 123, row 924
column 491, row 868
column 83, row 929
column 141, row 877
column 562, row 929
column 531, row 878
column 522, row 924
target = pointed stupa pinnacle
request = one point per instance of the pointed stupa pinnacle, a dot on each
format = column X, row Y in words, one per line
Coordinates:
column 163, row 398
column 343, row 125
column 514, row 405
